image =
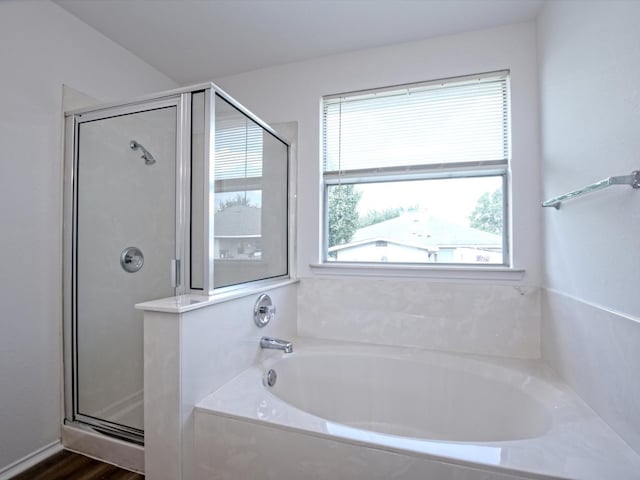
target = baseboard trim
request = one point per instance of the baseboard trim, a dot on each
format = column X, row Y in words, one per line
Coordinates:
column 30, row 460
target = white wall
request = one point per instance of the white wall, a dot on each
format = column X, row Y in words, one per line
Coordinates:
column 294, row 91
column 590, row 91
column 590, row 113
column 42, row 47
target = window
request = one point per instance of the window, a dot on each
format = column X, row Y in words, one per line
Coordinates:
column 418, row 174
column 250, row 195
column 239, row 197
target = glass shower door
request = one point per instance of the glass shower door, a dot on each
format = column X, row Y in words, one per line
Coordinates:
column 125, row 241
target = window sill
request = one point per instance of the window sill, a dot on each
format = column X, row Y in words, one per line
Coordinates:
column 452, row 272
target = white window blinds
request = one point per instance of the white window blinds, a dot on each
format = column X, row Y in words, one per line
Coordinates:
column 456, row 121
column 239, row 147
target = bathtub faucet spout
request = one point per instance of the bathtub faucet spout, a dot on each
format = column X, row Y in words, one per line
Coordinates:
column 276, row 344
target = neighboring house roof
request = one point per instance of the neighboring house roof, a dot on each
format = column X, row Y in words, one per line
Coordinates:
column 419, row 229
column 345, row 246
column 239, row 221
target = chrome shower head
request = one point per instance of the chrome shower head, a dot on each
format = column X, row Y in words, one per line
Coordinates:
column 146, row 155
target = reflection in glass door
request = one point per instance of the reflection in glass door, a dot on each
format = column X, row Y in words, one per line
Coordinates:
column 125, row 240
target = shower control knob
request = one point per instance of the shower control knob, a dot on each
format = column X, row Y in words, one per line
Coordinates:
column 131, row 259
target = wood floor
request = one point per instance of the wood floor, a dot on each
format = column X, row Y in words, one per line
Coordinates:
column 71, row 466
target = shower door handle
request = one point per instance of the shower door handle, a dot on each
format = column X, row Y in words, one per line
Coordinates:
column 175, row 273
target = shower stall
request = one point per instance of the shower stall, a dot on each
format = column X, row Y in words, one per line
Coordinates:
column 183, row 192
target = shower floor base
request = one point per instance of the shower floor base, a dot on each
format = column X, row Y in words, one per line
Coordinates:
column 111, row 450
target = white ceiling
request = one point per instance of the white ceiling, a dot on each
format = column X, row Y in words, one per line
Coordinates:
column 198, row 40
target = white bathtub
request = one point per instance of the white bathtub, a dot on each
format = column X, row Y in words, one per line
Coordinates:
column 353, row 411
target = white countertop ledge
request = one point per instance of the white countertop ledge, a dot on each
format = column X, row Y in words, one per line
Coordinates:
column 449, row 272
column 190, row 301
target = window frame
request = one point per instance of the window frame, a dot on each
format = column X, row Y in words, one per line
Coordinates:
column 470, row 169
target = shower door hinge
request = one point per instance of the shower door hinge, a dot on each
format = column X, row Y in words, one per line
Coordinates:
column 175, row 273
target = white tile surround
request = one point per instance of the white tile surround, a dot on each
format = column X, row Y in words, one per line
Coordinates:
column 227, row 452
column 500, row 320
column 499, row 415
column 187, row 356
column 596, row 352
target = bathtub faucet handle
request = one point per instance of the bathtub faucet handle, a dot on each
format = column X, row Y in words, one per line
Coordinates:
column 264, row 310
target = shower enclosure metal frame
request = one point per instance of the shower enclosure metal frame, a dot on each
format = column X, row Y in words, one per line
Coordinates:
column 181, row 99
column 72, row 125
